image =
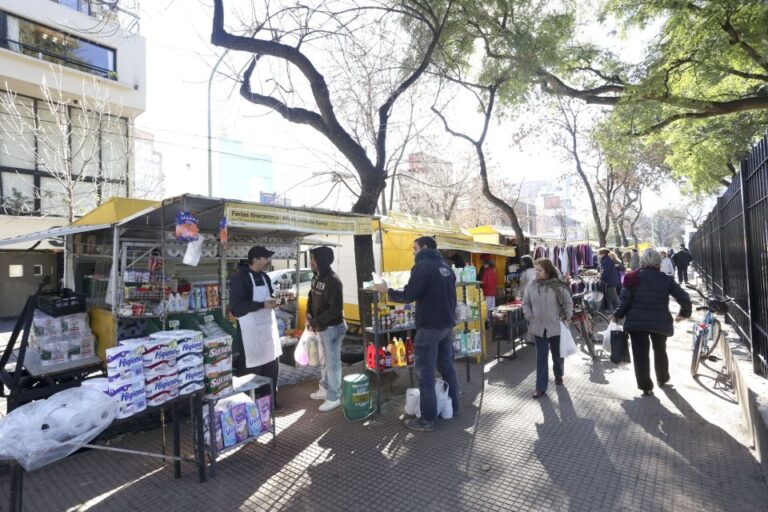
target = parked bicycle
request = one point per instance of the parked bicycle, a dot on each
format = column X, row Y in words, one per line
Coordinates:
column 707, row 333
column 587, row 320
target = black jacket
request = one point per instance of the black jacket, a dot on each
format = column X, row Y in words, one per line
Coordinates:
column 645, row 301
column 433, row 286
column 682, row 258
column 241, row 290
column 325, row 305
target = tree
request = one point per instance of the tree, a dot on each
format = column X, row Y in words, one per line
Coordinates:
column 701, row 87
column 79, row 143
column 432, row 187
column 292, row 37
column 668, row 227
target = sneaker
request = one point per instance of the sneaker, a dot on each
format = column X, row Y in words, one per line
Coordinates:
column 559, row 381
column 420, row 425
column 329, row 405
column 320, row 394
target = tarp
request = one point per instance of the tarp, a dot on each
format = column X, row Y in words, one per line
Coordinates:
column 115, row 210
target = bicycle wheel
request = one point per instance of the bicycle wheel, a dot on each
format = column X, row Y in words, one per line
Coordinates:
column 696, row 355
column 587, row 337
column 715, row 331
column 599, row 322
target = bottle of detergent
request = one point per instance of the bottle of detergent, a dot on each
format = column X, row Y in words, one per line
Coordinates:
column 409, row 351
column 388, row 358
column 382, row 358
column 401, row 352
column 392, row 349
column 370, row 356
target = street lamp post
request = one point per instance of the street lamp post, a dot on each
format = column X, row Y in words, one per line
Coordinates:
column 210, row 157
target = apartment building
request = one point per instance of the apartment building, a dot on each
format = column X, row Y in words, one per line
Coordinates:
column 65, row 152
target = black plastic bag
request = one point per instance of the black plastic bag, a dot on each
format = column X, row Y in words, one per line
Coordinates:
column 620, row 347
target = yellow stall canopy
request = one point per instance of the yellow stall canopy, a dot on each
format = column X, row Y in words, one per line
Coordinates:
column 115, row 210
column 493, row 234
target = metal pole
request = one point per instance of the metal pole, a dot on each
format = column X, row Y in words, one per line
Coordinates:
column 210, row 158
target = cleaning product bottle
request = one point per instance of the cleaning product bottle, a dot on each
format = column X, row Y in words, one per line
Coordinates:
column 464, row 342
column 370, row 356
column 388, row 358
column 382, row 359
column 409, row 359
column 392, row 349
column 401, row 352
column 457, row 273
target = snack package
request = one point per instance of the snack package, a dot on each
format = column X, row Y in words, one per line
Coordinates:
column 253, row 419
column 186, row 227
column 228, row 428
column 265, row 412
column 217, row 385
column 241, row 422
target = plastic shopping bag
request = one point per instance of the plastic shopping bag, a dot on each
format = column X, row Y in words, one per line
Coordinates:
column 606, row 334
column 444, row 403
column 301, row 353
column 413, row 402
column 567, row 345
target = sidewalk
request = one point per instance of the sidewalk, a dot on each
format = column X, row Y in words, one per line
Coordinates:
column 594, row 444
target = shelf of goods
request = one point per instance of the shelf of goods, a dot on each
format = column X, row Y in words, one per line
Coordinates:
column 382, row 357
column 469, row 333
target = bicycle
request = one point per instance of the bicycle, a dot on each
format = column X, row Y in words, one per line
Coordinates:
column 587, row 320
column 707, row 333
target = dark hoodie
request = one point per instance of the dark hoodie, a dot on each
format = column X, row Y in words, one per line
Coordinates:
column 433, row 286
column 325, row 306
column 241, row 290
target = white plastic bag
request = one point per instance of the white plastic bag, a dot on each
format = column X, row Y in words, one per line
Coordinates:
column 413, row 402
column 301, row 354
column 444, row 403
column 606, row 334
column 194, row 251
column 567, row 345
column 44, row 431
column 309, row 349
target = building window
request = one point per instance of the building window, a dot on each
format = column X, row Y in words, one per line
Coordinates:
column 15, row 270
column 83, row 6
column 30, row 38
column 37, row 270
column 36, row 162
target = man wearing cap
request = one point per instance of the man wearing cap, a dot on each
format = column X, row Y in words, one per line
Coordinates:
column 325, row 316
column 251, row 300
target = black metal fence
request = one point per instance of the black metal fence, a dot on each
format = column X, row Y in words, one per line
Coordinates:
column 731, row 252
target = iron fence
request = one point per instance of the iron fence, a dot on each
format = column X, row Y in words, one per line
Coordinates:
column 731, row 252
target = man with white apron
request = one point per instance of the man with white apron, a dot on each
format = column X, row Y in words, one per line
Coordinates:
column 252, row 303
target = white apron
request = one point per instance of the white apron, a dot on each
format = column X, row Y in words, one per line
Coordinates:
column 261, row 341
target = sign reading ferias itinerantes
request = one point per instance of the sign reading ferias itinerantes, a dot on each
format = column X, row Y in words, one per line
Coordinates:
column 270, row 217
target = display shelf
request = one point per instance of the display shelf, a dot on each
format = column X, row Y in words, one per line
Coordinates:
column 388, row 370
column 461, row 355
column 240, row 444
column 464, row 284
column 371, row 330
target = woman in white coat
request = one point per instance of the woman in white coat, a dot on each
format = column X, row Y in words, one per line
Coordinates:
column 250, row 294
column 666, row 264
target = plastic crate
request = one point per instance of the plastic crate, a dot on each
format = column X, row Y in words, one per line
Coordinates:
column 60, row 304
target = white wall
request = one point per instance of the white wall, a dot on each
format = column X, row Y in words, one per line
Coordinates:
column 23, row 73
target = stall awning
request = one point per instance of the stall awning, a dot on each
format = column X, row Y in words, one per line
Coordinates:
column 51, row 233
column 115, row 210
column 460, row 244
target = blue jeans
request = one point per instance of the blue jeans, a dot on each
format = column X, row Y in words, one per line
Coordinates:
column 433, row 350
column 543, row 347
column 330, row 373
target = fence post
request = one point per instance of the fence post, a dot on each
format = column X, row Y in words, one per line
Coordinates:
column 751, row 290
column 720, row 206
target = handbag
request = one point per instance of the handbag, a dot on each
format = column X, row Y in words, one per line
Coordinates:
column 620, row 347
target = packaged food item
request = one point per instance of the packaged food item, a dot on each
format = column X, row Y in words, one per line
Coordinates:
column 218, row 384
column 186, row 227
column 228, row 428
column 265, row 411
column 253, row 419
column 241, row 421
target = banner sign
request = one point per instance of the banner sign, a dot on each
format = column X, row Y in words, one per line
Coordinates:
column 271, row 218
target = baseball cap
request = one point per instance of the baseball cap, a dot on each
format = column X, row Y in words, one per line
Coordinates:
column 257, row 251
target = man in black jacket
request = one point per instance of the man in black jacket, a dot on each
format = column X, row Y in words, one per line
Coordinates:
column 325, row 316
column 682, row 259
column 433, row 287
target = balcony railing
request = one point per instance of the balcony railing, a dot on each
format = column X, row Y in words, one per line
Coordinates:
column 124, row 13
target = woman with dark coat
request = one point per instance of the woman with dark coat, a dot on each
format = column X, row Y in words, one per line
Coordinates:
column 644, row 307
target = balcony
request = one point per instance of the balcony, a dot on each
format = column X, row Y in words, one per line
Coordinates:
column 124, row 13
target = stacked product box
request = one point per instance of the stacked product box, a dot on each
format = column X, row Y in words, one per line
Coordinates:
column 217, row 361
column 189, row 358
column 125, row 377
column 61, row 339
column 237, row 418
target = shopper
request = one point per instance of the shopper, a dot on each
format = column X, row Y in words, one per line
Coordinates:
column 547, row 301
column 682, row 259
column 457, row 260
column 527, row 275
column 325, row 316
column 488, row 279
column 634, row 262
column 645, row 308
column 252, row 302
column 609, row 277
column 432, row 286
column 666, row 264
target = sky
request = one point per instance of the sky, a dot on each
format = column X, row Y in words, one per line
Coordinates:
column 179, row 63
